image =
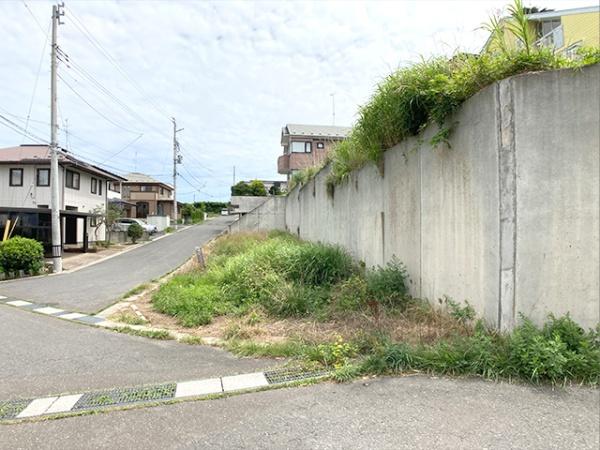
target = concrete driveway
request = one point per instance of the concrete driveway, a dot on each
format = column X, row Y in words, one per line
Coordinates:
column 93, row 288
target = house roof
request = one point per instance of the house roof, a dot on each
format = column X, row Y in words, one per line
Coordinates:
column 137, row 177
column 40, row 154
column 563, row 12
column 294, row 129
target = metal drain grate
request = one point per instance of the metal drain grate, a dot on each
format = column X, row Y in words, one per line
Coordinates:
column 11, row 409
column 289, row 375
column 116, row 397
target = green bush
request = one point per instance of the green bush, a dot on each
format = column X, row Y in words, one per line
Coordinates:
column 319, row 264
column 389, row 285
column 557, row 352
column 135, row 231
column 19, row 253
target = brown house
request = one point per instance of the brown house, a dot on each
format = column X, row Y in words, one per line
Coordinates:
column 306, row 145
column 151, row 197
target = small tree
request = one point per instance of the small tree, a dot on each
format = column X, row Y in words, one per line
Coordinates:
column 135, row 231
column 240, row 188
column 257, row 188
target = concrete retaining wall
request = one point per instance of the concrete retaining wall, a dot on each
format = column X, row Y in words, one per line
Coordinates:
column 507, row 218
column 268, row 216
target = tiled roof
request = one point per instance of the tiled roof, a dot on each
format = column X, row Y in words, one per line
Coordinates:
column 137, row 177
column 28, row 154
column 294, row 129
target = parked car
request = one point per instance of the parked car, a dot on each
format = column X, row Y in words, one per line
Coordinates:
column 224, row 212
column 124, row 223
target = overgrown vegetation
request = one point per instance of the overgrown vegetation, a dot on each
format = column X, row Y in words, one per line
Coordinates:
column 373, row 325
column 192, row 213
column 19, row 253
column 282, row 275
column 430, row 91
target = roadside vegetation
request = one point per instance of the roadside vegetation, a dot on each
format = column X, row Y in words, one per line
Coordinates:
column 430, row 91
column 21, row 254
column 282, row 297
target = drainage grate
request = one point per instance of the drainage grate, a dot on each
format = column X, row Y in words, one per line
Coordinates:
column 11, row 409
column 116, row 397
column 289, row 375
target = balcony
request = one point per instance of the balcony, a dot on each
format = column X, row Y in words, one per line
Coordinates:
column 297, row 161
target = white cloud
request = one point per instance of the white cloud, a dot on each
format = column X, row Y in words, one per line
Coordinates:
column 231, row 72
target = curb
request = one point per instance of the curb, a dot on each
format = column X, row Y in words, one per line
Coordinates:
column 86, row 319
column 64, row 405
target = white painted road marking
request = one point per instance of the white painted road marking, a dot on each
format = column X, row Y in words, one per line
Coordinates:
column 198, row 387
column 48, row 310
column 72, row 316
column 63, row 404
column 245, row 381
column 37, row 407
column 18, row 303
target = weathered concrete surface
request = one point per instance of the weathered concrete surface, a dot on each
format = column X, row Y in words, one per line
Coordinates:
column 507, row 218
column 557, row 127
column 269, row 215
column 389, row 413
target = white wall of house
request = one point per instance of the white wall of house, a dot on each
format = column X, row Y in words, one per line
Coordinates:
column 29, row 195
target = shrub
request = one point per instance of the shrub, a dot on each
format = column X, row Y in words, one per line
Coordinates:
column 349, row 295
column 135, row 231
column 19, row 253
column 389, row 285
column 319, row 264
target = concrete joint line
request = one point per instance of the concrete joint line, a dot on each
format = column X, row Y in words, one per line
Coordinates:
column 507, row 208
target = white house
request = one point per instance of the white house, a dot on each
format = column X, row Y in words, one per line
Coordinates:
column 25, row 194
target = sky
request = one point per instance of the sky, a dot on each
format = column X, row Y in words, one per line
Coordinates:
column 231, row 73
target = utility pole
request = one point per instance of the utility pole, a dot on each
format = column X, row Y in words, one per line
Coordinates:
column 176, row 160
column 57, row 12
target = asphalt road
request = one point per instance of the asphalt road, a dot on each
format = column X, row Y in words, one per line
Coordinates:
column 390, row 413
column 43, row 355
column 93, row 288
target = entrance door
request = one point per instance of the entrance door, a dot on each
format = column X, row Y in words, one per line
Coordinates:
column 70, row 230
column 142, row 210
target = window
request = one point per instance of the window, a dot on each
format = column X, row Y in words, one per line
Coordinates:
column 43, row 206
column 321, row 145
column 100, row 187
column 93, row 221
column 550, row 33
column 301, row 147
column 94, row 185
column 16, row 177
column 72, row 179
column 114, row 186
column 43, row 177
column 162, row 191
column 146, row 188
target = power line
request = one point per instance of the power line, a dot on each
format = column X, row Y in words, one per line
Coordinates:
column 93, row 108
column 39, row 70
column 90, row 37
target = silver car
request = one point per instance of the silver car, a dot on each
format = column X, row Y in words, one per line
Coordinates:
column 124, row 224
